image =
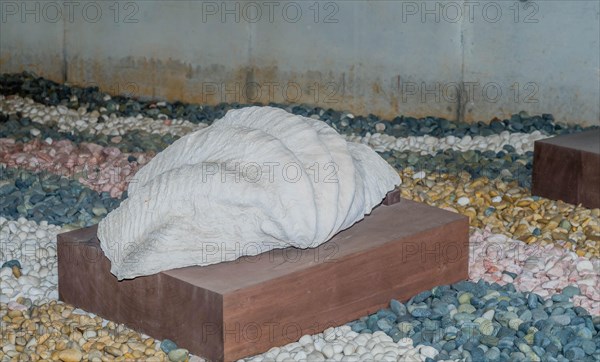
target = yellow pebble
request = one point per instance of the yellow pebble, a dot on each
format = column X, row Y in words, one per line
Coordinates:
column 70, row 355
column 515, row 215
column 531, row 239
column 16, row 271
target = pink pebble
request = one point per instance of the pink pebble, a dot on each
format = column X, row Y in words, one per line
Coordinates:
column 12, row 305
column 545, row 270
column 103, row 168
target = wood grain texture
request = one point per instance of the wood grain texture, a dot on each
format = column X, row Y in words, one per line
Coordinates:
column 567, row 168
column 236, row 309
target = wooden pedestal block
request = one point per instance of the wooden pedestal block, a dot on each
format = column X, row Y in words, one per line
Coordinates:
column 241, row 308
column 567, row 168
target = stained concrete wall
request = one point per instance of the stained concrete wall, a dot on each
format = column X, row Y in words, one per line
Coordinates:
column 465, row 60
column 28, row 41
column 545, row 57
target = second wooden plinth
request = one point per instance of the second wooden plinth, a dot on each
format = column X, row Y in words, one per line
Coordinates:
column 567, row 168
column 241, row 308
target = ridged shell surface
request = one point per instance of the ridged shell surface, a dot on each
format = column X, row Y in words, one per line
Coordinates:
column 258, row 179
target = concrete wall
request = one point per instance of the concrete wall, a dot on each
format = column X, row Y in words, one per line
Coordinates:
column 465, row 60
column 28, row 41
column 543, row 58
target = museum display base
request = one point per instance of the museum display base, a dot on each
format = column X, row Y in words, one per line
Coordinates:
column 567, row 168
column 241, row 308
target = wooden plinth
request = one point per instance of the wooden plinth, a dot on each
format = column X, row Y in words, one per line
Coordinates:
column 241, row 308
column 567, row 168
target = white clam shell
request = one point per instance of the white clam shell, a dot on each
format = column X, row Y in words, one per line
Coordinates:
column 258, row 179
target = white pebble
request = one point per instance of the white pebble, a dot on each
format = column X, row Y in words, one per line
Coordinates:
column 319, row 343
column 300, row 356
column 327, row 351
column 329, row 334
column 377, row 349
column 405, row 343
column 282, row 357
column 40, row 233
column 315, row 356
column 13, row 227
column 29, row 280
column 5, row 272
column 305, row 339
column 419, row 175
column 463, row 201
column 428, row 351
column 585, row 266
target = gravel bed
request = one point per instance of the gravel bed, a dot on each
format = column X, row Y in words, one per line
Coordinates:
column 482, row 321
column 46, row 197
column 505, row 208
column 58, row 332
column 102, row 169
column 533, row 265
column 506, row 155
column 22, row 129
column 53, row 94
column 68, row 120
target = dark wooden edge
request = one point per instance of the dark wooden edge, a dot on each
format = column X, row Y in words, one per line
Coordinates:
column 392, row 197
